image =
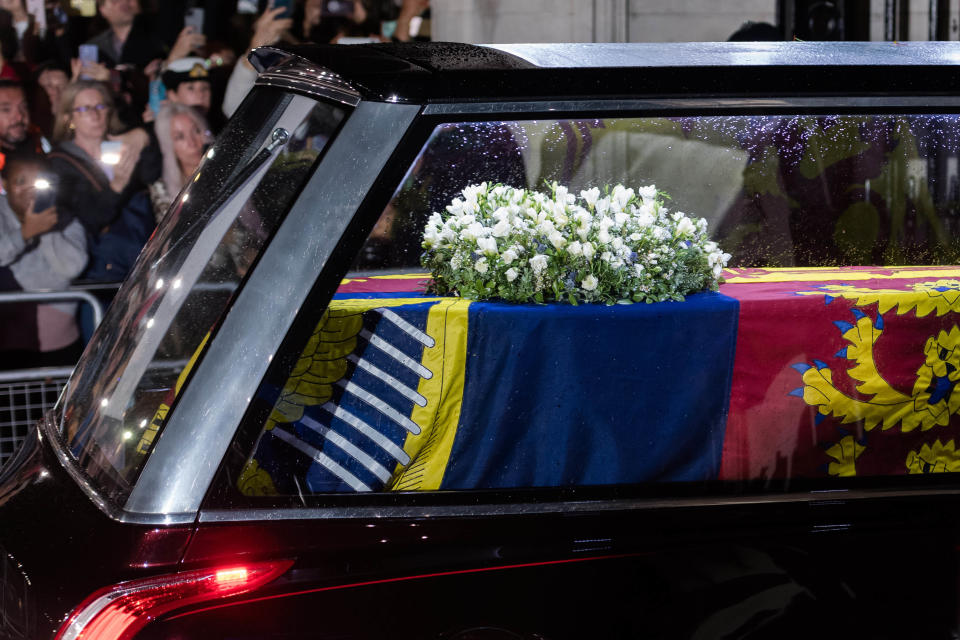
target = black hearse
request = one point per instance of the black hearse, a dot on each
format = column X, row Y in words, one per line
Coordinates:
column 281, row 430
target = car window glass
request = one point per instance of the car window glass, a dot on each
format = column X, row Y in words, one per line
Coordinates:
column 155, row 331
column 828, row 352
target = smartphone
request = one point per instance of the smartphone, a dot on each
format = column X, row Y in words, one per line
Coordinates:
column 194, row 18
column 286, row 5
column 158, row 93
column 337, row 8
column 110, row 152
column 46, row 194
column 88, row 53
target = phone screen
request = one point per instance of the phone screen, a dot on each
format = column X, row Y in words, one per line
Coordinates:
column 46, row 194
column 194, row 18
column 286, row 5
column 110, row 152
column 88, row 53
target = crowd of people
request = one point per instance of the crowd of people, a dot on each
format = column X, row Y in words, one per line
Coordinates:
column 104, row 118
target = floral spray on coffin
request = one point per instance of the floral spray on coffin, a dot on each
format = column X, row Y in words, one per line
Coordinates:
column 609, row 246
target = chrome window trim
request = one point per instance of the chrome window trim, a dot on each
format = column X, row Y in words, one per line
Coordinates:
column 290, row 72
column 558, row 107
column 568, row 506
column 188, row 451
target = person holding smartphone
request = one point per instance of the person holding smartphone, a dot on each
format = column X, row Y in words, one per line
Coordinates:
column 37, row 253
column 97, row 171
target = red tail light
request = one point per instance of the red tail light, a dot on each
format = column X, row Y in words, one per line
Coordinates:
column 120, row 611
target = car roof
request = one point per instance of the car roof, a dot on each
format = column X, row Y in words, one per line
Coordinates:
column 442, row 72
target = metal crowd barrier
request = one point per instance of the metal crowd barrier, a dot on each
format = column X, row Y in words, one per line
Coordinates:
column 26, row 394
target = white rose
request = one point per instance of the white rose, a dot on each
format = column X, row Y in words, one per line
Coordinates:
column 647, row 193
column 471, row 192
column 635, row 237
column 488, row 246
column 538, row 263
column 474, row 231
column 606, row 256
column 557, row 240
column 603, row 205
column 685, row 228
column 589, row 283
column 481, row 265
column 511, row 274
column 621, row 196
column 575, row 248
column 603, row 236
column 508, row 256
column 560, row 214
column 617, row 244
column 546, row 227
column 590, row 196
column 588, row 250
column 502, row 229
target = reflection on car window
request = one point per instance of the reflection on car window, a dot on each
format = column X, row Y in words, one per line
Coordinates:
column 157, row 328
column 827, row 353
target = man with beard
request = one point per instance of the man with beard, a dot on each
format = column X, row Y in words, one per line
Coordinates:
column 16, row 133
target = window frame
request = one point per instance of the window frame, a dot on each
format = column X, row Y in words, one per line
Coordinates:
column 224, row 504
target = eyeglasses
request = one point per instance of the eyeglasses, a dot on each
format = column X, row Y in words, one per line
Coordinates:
column 86, row 108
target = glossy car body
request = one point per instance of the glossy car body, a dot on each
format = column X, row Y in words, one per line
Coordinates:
column 861, row 557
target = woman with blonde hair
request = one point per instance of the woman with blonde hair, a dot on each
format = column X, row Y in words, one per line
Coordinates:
column 96, row 171
column 183, row 136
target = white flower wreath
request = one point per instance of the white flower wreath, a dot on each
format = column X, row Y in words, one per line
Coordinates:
column 615, row 245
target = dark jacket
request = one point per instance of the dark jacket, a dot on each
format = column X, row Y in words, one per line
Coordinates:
column 141, row 46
